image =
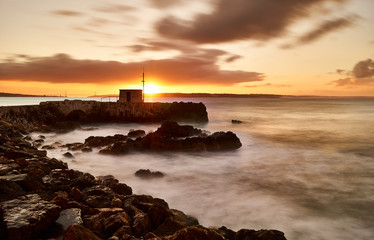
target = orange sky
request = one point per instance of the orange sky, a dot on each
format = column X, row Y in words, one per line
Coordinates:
column 81, row 48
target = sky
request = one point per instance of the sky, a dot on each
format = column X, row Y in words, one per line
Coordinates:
column 88, row 47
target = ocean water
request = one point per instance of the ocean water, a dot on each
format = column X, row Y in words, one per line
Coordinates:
column 306, row 167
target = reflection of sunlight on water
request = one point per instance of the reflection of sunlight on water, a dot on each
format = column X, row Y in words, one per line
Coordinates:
column 292, row 178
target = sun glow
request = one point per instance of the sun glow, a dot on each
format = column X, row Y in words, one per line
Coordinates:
column 152, row 89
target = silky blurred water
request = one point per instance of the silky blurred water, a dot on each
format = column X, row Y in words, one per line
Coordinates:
column 306, row 167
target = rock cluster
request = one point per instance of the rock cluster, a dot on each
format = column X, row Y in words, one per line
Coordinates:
column 169, row 137
column 40, row 198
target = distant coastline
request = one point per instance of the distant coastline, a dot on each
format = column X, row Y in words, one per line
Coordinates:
column 2, row 94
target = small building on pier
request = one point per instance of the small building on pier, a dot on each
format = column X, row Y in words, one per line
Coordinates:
column 130, row 95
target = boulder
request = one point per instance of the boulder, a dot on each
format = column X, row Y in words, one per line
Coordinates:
column 141, row 224
column 147, row 174
column 78, row 232
column 68, row 155
column 196, row 233
column 174, row 130
column 69, row 216
column 136, row 133
column 28, row 215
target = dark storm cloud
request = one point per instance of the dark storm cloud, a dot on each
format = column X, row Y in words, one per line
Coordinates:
column 67, row 13
column 362, row 74
column 240, row 19
column 186, row 69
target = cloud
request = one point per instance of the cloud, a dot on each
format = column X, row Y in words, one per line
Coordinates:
column 162, row 4
column 323, row 29
column 232, row 58
column 198, row 68
column 362, row 74
column 364, row 69
column 67, row 13
column 240, row 19
column 114, row 8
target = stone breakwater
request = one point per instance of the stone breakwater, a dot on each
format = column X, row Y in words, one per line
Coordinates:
column 67, row 115
column 41, row 198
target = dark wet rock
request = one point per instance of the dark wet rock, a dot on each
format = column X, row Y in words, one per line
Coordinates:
column 147, row 174
column 14, row 154
column 78, row 232
column 75, row 193
column 28, row 215
column 222, row 141
column 68, row 155
column 174, row 130
column 118, row 148
column 67, row 178
column 236, row 122
column 61, row 199
column 124, row 233
column 86, row 149
column 99, row 222
column 196, row 233
column 247, row 234
column 10, row 187
column 104, row 141
column 183, row 218
column 136, row 133
column 98, row 196
column 141, row 224
column 74, row 146
column 120, row 188
column 168, row 227
column 158, row 214
column 41, row 137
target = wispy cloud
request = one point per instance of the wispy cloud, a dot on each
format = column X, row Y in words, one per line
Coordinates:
column 67, row 13
column 114, row 8
column 326, row 27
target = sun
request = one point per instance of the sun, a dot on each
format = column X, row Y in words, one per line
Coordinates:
column 151, row 88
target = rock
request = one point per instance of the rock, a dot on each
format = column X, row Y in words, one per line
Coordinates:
column 245, row 234
column 78, row 232
column 158, row 214
column 68, row 155
column 28, row 215
column 196, row 233
column 116, row 202
column 117, row 148
column 96, row 222
column 120, row 188
column 61, row 199
column 124, row 233
column 141, row 224
column 75, row 193
column 136, row 133
column 146, row 173
column 98, row 196
column 87, row 149
column 174, row 130
column 41, row 137
column 14, row 154
column 168, row 227
column 104, row 141
column 69, row 216
column 183, row 218
column 236, row 121
column 222, row 141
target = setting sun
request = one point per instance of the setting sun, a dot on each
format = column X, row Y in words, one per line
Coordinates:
column 152, row 89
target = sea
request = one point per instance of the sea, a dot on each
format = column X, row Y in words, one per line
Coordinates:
column 306, row 166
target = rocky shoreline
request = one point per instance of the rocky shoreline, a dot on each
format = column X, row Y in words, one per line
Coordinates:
column 41, row 198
